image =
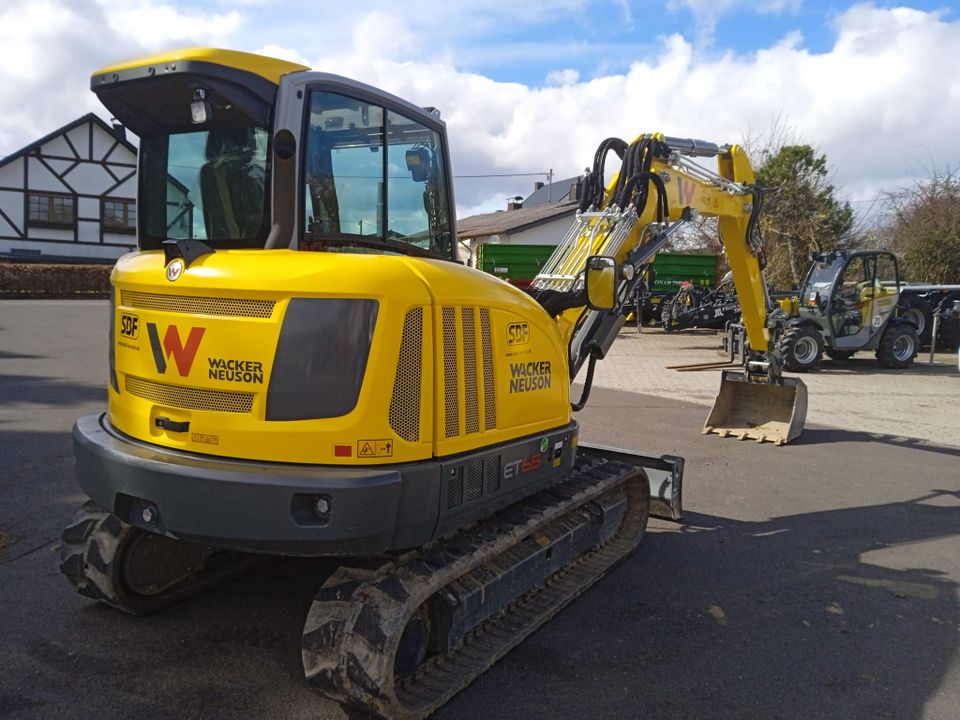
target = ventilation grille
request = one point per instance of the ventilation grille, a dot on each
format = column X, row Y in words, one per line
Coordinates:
column 473, row 480
column 189, row 398
column 460, row 365
column 405, row 402
column 455, row 488
column 451, row 403
column 489, row 394
column 471, row 410
column 491, row 475
column 225, row 307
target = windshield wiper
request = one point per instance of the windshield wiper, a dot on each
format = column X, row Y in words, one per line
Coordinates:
column 377, row 243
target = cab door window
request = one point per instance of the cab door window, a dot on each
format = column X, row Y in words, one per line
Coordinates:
column 344, row 167
column 846, row 308
column 372, row 174
column 417, row 201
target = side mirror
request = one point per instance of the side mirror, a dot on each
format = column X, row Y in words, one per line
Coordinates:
column 600, row 282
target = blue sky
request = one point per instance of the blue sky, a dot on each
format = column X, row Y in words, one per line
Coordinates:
column 526, row 88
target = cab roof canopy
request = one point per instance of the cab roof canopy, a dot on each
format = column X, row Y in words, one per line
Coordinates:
column 153, row 94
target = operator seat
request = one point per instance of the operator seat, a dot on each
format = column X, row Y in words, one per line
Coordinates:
column 232, row 185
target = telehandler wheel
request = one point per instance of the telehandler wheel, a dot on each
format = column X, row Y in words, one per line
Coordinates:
column 918, row 311
column 839, row 355
column 800, row 347
column 898, row 346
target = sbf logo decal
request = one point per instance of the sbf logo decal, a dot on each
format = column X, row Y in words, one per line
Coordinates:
column 518, row 333
column 183, row 352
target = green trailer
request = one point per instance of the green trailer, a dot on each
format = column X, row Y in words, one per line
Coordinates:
column 674, row 268
column 517, row 264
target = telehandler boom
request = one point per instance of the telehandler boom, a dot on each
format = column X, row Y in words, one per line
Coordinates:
column 298, row 365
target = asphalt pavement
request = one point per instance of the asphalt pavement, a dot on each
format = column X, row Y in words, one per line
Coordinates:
column 816, row 580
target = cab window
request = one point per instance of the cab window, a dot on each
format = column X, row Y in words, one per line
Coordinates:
column 374, row 179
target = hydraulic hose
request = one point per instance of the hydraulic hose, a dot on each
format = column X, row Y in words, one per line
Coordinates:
column 587, row 384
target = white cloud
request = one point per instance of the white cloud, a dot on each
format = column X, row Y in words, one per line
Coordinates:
column 51, row 47
column 567, row 76
column 707, row 13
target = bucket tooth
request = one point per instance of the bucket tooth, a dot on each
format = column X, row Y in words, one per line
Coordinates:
column 766, row 412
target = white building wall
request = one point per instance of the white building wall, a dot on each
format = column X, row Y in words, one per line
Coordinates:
column 11, row 174
column 549, row 233
column 72, row 250
column 11, row 205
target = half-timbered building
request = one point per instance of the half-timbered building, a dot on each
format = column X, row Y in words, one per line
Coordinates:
column 70, row 195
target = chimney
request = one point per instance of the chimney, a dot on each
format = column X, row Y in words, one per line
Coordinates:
column 514, row 205
column 119, row 131
column 575, row 190
column 537, row 185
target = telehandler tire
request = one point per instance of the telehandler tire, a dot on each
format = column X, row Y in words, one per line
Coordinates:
column 918, row 311
column 801, row 347
column 898, row 346
column 839, row 355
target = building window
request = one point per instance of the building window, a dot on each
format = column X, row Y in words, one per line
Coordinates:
column 46, row 209
column 120, row 215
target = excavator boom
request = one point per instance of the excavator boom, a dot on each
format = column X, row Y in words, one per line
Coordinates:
column 656, row 192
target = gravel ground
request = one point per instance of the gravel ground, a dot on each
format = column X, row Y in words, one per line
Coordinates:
column 858, row 395
column 815, row 581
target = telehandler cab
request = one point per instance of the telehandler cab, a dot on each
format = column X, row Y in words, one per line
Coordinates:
column 848, row 303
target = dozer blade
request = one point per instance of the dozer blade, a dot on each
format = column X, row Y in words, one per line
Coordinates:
column 765, row 412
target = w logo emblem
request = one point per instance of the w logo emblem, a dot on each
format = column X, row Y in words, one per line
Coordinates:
column 183, row 352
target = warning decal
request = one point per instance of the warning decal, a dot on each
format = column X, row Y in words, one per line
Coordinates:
column 374, row 448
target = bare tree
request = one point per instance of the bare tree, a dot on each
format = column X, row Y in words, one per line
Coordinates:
column 924, row 228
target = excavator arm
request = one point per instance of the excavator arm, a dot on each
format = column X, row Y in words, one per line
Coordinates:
column 620, row 227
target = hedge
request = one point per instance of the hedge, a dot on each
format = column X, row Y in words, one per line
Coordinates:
column 42, row 280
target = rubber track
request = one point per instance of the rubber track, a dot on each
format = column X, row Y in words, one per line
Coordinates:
column 92, row 554
column 354, row 626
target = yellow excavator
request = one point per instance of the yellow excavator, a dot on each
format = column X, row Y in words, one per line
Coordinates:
column 299, row 365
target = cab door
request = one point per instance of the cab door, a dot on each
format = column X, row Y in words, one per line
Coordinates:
column 849, row 317
column 863, row 298
column 883, row 293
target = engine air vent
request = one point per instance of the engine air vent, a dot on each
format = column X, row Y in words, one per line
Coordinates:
column 470, row 400
column 451, row 404
column 189, row 398
column 198, row 305
column 405, row 401
column 489, row 389
column 473, row 480
column 460, row 365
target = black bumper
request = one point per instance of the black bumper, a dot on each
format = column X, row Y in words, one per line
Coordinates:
column 255, row 506
column 271, row 507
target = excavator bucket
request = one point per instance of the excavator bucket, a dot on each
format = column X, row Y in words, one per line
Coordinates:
column 765, row 412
